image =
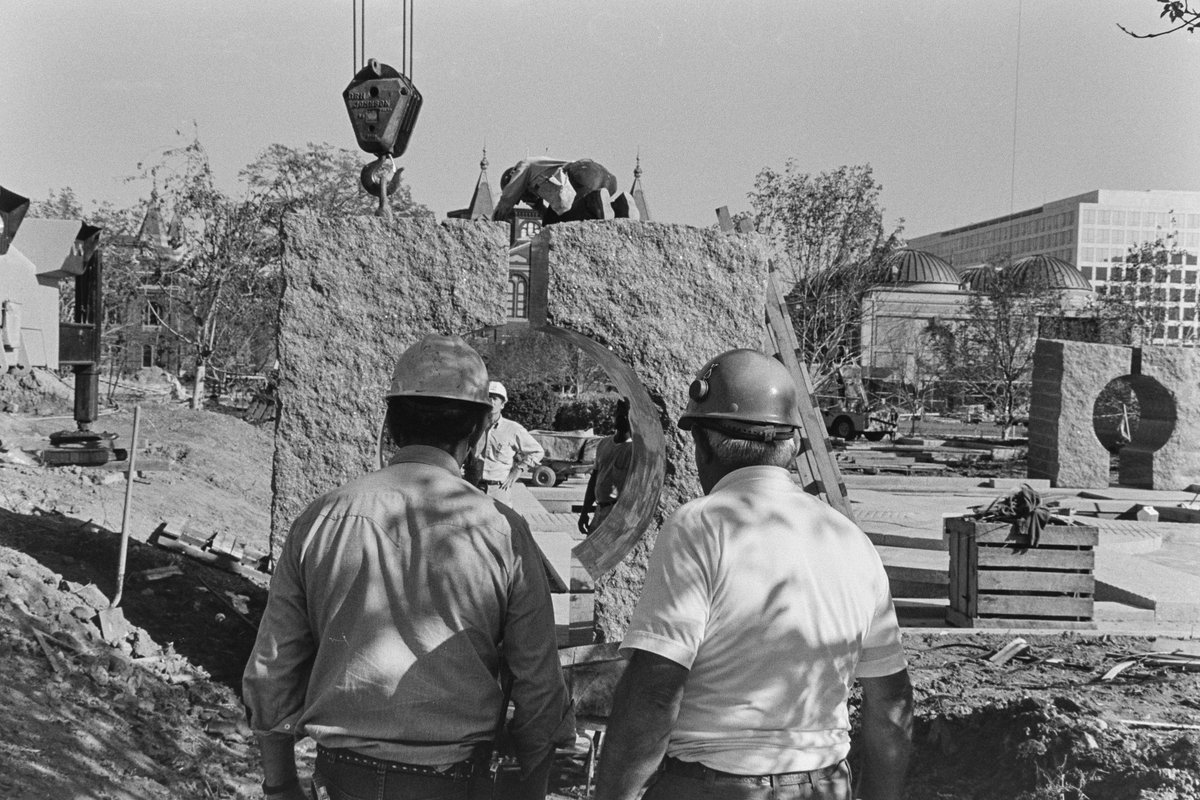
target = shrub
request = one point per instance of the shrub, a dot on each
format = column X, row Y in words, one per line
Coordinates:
column 595, row 412
column 532, row 404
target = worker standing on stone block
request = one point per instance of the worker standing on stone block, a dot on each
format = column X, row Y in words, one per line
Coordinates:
column 761, row 606
column 504, row 451
column 388, row 609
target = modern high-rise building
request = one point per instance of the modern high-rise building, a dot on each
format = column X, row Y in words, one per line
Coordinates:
column 1094, row 232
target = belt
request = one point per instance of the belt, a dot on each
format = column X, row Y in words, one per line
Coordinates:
column 694, row 769
column 455, row 772
column 490, row 483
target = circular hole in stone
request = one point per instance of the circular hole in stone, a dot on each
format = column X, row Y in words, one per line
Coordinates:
column 1134, row 411
column 563, row 387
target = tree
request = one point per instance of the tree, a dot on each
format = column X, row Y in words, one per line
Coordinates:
column 536, row 357
column 320, row 178
column 1178, row 13
column 831, row 242
column 1139, row 295
column 990, row 355
column 919, row 359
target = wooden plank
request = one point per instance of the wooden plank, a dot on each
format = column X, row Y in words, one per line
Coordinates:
column 970, row 560
column 963, row 621
column 1015, row 605
column 955, row 587
column 1004, row 558
column 817, row 458
column 1051, row 536
column 1024, row 581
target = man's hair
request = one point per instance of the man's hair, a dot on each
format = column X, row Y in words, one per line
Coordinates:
column 737, row 453
column 433, row 420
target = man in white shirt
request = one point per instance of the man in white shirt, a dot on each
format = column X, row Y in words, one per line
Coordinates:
column 505, row 450
column 762, row 605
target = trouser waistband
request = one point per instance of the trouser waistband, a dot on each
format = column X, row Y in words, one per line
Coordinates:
column 455, row 772
column 694, row 769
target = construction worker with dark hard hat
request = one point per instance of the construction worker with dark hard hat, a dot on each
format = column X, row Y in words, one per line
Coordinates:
column 761, row 607
column 382, row 635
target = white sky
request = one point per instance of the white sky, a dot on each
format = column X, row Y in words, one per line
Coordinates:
column 708, row 92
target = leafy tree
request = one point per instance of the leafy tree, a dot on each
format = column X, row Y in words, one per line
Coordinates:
column 320, row 178
column 534, row 404
column 1178, row 13
column 539, row 357
column 990, row 355
column 919, row 359
column 831, row 243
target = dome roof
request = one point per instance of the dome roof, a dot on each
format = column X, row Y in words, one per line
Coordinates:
column 1048, row 272
column 917, row 266
column 978, row 279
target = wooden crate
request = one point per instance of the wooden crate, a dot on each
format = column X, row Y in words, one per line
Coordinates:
column 997, row 582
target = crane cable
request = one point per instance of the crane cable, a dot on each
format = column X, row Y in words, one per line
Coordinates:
column 358, row 35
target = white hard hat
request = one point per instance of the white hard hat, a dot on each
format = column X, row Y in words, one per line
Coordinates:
column 441, row 366
column 496, row 387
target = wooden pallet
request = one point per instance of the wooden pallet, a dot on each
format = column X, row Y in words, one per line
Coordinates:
column 997, row 582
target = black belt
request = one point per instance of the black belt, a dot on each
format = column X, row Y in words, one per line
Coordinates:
column 490, row 483
column 694, row 769
column 455, row 772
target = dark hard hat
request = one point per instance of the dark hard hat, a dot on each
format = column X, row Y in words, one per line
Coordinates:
column 439, row 366
column 744, row 394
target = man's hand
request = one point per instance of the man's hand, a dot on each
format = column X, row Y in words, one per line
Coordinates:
column 584, row 518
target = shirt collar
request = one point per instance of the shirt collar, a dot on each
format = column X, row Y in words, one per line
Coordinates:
column 747, row 474
column 424, row 454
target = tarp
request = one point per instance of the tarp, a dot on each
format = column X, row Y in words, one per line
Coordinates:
column 576, row 447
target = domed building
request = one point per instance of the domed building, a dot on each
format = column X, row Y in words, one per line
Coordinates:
column 920, row 298
column 916, row 297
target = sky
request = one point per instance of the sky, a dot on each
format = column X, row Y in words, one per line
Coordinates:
column 964, row 110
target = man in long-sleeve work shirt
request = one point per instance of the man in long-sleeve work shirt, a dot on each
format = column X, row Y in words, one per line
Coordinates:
column 382, row 633
column 505, row 450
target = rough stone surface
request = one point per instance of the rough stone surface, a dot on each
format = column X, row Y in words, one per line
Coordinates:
column 1067, row 378
column 357, row 292
column 663, row 299
column 1163, row 454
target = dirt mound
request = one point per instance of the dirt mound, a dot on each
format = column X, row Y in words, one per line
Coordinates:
column 35, row 391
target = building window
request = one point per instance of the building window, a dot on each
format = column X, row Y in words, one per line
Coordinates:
column 1101, row 273
column 147, row 355
column 153, row 314
column 518, row 291
column 1087, row 272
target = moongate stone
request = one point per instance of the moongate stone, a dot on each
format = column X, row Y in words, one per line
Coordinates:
column 661, row 300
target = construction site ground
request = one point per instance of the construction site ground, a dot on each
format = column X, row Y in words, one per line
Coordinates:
column 153, row 712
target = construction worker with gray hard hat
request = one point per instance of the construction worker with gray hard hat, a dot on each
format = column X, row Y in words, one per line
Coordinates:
column 761, row 607
column 504, row 451
column 382, row 635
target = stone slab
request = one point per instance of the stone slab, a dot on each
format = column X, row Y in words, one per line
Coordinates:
column 357, row 292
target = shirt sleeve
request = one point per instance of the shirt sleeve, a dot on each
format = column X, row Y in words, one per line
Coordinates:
column 882, row 651
column 513, row 192
column 672, row 613
column 275, row 681
column 531, row 452
column 542, row 714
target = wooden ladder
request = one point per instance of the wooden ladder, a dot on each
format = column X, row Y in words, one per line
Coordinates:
column 815, row 464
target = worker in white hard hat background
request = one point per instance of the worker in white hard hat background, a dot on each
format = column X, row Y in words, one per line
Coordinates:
column 382, row 634
column 504, row 451
column 761, row 607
